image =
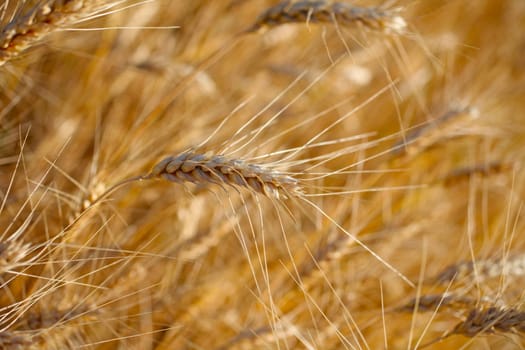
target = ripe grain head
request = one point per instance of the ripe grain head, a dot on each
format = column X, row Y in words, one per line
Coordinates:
column 28, row 28
column 206, row 169
column 483, row 269
column 491, row 320
column 437, row 302
column 12, row 254
column 308, row 11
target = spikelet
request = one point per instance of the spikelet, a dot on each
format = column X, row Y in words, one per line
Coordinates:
column 216, row 169
column 309, row 11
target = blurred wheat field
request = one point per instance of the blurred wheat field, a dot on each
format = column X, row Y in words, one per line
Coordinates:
column 342, row 175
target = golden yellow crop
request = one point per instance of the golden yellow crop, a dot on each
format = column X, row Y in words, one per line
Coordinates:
column 262, row 174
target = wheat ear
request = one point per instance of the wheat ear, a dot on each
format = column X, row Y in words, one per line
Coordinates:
column 432, row 133
column 52, row 317
column 309, row 11
column 491, row 320
column 12, row 254
column 433, row 302
column 202, row 169
column 484, row 269
column 483, row 170
column 10, row 340
column 26, row 30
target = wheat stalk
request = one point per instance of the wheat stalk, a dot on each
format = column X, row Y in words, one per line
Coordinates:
column 203, row 169
column 309, row 11
column 27, row 29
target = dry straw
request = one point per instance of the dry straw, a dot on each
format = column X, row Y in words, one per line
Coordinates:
column 203, row 169
column 344, row 14
column 27, row 29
